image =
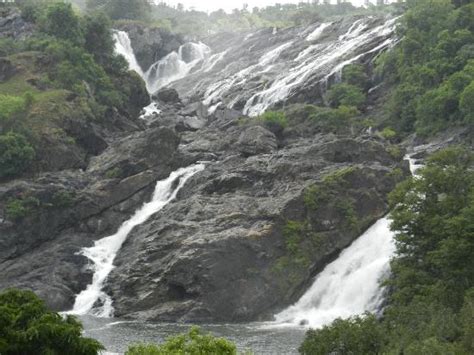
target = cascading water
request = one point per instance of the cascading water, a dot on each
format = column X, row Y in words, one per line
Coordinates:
column 123, row 46
column 175, row 65
column 103, row 253
column 328, row 56
column 350, row 285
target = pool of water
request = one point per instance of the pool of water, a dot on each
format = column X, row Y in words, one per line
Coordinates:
column 261, row 338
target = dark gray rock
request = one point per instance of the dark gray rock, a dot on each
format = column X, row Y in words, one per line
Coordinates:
column 7, row 69
column 256, row 140
column 167, row 96
column 12, row 25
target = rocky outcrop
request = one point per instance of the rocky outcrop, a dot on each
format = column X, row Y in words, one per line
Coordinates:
column 12, row 25
column 151, row 44
column 224, row 250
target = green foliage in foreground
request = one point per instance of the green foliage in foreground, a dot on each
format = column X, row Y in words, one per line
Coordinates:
column 195, row 342
column 27, row 327
column 358, row 335
column 431, row 304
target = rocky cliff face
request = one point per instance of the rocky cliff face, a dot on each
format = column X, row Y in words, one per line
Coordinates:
column 244, row 238
column 226, row 249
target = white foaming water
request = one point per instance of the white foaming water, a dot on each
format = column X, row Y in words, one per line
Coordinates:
column 123, row 46
column 175, row 65
column 350, row 285
column 103, row 253
column 281, row 88
column 318, row 31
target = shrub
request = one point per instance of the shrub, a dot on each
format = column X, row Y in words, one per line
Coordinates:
column 9, row 107
column 346, row 95
column 16, row 154
column 275, row 121
column 194, row 342
column 355, row 75
column 17, row 209
column 388, row 133
column 334, row 120
column 358, row 335
column 28, row 327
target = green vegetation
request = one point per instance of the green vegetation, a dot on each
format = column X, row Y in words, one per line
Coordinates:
column 333, row 120
column 67, row 71
column 346, row 95
column 19, row 208
column 16, row 154
column 275, row 121
column 354, row 74
column 431, row 304
column 28, row 327
column 358, row 335
column 432, row 68
column 195, row 342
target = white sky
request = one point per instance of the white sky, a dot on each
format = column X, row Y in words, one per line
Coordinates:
column 228, row 5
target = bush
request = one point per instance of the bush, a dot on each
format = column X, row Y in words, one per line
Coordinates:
column 358, row 336
column 16, row 154
column 346, row 95
column 275, row 121
column 194, row 342
column 355, row 75
column 17, row 209
column 388, row 133
column 28, row 327
column 334, row 120
column 10, row 106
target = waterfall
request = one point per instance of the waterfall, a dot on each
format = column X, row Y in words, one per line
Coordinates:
column 313, row 36
column 123, row 46
column 176, row 65
column 350, row 285
column 326, row 57
column 104, row 251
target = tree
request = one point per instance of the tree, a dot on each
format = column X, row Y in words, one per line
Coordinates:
column 192, row 343
column 15, row 154
column 98, row 38
column 61, row 21
column 28, row 327
column 358, row 335
column 467, row 103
